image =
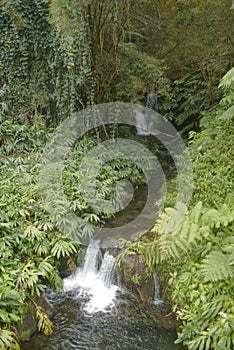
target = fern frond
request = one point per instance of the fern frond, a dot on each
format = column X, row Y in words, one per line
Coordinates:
column 222, row 216
column 212, row 218
column 227, row 115
column 228, row 245
column 172, row 247
column 170, row 219
column 176, row 231
column 195, row 213
column 216, row 266
column 228, row 79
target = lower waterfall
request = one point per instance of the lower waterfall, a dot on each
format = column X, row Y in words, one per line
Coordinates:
column 96, row 283
column 92, row 312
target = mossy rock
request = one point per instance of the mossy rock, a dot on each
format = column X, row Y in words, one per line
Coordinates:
column 135, row 277
column 28, row 325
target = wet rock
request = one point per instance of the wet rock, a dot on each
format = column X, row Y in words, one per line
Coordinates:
column 28, row 325
column 134, row 276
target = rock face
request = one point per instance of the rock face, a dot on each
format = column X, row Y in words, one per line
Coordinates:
column 28, row 325
column 133, row 275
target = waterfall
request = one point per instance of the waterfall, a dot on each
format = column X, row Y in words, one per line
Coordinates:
column 107, row 269
column 144, row 122
column 141, row 124
column 91, row 257
column 157, row 300
column 151, row 101
column 96, row 284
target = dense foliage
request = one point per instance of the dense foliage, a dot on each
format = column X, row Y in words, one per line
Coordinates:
column 198, row 246
column 58, row 56
column 31, row 244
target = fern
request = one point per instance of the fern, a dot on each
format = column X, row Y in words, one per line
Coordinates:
column 171, row 247
column 212, row 218
column 177, row 232
column 175, row 235
column 216, row 266
column 195, row 212
column 218, row 217
column 228, row 115
column 228, row 80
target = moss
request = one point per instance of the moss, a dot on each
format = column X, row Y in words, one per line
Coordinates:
column 28, row 325
column 135, row 277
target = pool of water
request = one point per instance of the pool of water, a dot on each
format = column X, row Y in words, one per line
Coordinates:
column 125, row 326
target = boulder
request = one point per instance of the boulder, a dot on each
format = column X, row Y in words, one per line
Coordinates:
column 134, row 277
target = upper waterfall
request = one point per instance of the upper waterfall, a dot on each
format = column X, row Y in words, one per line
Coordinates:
column 143, row 123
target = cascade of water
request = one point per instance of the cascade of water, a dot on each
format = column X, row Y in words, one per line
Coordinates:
column 156, row 287
column 91, row 257
column 107, row 269
column 141, row 124
column 96, row 284
column 151, row 101
column 144, row 124
column 157, row 299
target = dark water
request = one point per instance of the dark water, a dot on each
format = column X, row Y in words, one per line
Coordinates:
column 126, row 327
column 132, row 210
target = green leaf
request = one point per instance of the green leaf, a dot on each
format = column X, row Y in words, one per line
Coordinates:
column 4, row 315
column 216, row 266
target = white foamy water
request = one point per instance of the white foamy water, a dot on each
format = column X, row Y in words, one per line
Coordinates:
column 95, row 283
column 141, row 124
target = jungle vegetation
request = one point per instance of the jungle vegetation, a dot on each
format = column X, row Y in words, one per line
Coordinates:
column 58, row 57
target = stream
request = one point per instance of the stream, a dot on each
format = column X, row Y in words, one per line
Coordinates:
column 93, row 311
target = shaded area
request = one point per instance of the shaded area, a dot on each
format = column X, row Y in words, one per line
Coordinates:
column 132, row 210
